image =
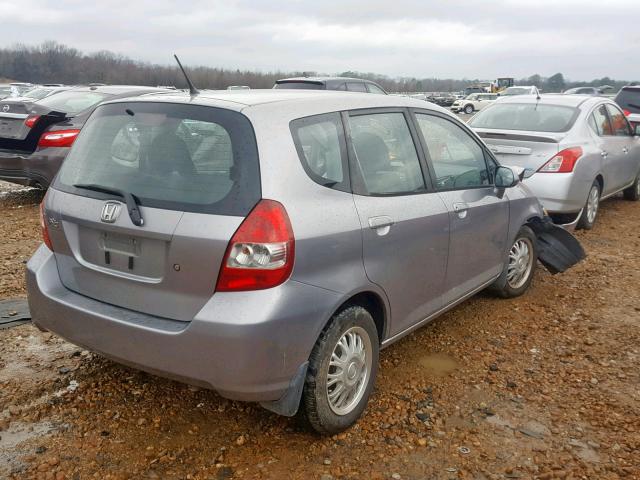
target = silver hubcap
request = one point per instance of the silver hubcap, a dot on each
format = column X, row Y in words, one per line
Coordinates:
column 593, row 202
column 349, row 370
column 520, row 263
column 638, row 187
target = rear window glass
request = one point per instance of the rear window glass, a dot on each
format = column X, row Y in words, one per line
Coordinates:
column 73, row 102
column 629, row 99
column 300, row 85
column 171, row 156
column 526, row 116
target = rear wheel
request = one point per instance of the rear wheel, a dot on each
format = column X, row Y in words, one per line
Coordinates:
column 468, row 109
column 590, row 210
column 520, row 265
column 342, row 371
column 633, row 192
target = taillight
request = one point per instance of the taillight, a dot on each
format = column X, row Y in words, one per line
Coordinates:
column 626, row 113
column 563, row 162
column 260, row 254
column 43, row 226
column 31, row 120
column 58, row 138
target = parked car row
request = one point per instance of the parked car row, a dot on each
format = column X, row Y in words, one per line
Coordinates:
column 267, row 244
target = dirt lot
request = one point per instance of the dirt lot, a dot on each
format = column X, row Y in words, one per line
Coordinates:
column 544, row 386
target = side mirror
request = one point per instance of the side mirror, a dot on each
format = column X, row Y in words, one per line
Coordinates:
column 505, row 178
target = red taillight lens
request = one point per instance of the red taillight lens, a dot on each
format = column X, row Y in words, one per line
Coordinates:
column 563, row 162
column 43, row 226
column 31, row 120
column 260, row 254
column 626, row 113
column 58, row 138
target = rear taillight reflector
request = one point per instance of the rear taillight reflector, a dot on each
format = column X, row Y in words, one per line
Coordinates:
column 43, row 226
column 563, row 162
column 31, row 120
column 58, row 138
column 260, row 254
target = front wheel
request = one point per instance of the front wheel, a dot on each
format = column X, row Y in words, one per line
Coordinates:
column 520, row 265
column 468, row 109
column 590, row 210
column 342, row 370
column 633, row 192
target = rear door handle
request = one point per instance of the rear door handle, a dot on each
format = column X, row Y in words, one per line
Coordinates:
column 625, row 150
column 381, row 224
column 461, row 209
column 604, row 154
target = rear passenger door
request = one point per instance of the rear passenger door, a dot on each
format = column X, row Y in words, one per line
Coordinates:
column 463, row 175
column 621, row 147
column 405, row 225
column 610, row 148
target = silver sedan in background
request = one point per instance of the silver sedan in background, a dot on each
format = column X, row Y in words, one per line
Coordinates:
column 575, row 150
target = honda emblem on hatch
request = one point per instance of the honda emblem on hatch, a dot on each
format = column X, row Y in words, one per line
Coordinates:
column 5, row 108
column 110, row 212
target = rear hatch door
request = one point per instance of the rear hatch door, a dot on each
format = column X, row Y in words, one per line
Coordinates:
column 194, row 172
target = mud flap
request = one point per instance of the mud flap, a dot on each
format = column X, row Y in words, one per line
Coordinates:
column 558, row 250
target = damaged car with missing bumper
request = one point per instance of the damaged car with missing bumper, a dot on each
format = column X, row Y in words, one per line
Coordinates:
column 268, row 244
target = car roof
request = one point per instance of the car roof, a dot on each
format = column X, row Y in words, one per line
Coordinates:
column 299, row 102
column 322, row 79
column 116, row 89
column 553, row 99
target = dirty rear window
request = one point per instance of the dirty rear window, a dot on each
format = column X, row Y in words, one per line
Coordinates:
column 172, row 156
column 532, row 117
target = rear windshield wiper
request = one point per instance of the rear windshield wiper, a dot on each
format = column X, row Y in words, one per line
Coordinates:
column 130, row 199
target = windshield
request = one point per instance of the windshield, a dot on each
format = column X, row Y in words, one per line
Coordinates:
column 72, row 102
column 473, row 96
column 38, row 93
column 171, row 156
column 629, row 99
column 526, row 116
column 516, row 91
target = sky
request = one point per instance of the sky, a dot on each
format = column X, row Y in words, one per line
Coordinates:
column 583, row 39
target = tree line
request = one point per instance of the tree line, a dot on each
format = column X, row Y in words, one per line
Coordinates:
column 52, row 62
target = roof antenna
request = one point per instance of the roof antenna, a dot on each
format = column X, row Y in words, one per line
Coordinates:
column 192, row 90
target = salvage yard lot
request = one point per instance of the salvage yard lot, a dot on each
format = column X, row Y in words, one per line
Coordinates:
column 542, row 386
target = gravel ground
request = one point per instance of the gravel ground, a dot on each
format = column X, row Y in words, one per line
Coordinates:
column 544, row 386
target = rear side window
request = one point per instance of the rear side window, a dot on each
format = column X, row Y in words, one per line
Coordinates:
column 375, row 89
column 357, row 87
column 629, row 99
column 533, row 117
column 321, row 147
column 385, row 154
column 619, row 124
column 172, row 156
column 458, row 161
column 599, row 121
column 73, row 101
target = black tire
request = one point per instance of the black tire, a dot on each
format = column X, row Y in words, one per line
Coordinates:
column 315, row 396
column 585, row 222
column 505, row 287
column 632, row 193
column 468, row 109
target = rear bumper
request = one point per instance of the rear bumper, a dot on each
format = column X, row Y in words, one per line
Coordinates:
column 559, row 192
column 245, row 345
column 25, row 168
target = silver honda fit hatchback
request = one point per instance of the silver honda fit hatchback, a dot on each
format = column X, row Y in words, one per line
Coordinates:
column 267, row 244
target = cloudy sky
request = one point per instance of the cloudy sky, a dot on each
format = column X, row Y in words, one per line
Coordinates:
column 583, row 39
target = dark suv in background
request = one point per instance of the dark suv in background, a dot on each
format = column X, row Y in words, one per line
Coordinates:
column 330, row 83
column 35, row 137
column 629, row 100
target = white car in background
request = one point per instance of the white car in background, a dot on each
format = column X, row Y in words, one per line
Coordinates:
column 474, row 102
column 520, row 90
